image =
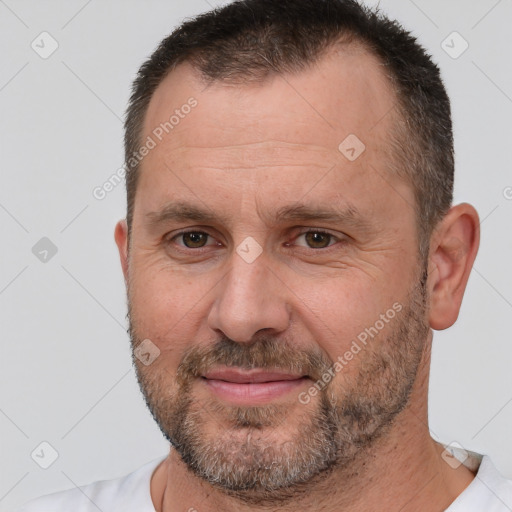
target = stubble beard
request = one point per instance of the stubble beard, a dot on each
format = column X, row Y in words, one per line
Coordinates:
column 262, row 455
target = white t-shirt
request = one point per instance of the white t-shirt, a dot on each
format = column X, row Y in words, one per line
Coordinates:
column 488, row 492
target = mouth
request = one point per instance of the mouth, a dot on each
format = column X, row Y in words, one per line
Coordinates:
column 251, row 387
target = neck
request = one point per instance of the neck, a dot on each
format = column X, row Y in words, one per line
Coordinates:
column 403, row 471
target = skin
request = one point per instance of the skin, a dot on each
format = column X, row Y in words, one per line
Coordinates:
column 243, row 153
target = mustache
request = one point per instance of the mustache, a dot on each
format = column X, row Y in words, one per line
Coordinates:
column 266, row 352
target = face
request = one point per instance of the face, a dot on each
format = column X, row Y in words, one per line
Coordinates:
column 273, row 266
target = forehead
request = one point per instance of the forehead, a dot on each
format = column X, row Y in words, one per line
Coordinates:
column 290, row 129
column 344, row 92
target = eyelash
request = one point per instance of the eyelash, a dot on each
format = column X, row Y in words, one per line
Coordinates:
column 201, row 249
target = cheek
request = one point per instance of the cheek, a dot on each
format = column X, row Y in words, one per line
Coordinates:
column 343, row 309
column 167, row 306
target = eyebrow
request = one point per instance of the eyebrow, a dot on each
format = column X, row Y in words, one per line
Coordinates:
column 179, row 211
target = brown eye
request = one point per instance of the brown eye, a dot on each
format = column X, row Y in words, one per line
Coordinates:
column 317, row 239
column 194, row 239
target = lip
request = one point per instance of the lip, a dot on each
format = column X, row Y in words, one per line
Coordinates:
column 251, row 386
column 255, row 375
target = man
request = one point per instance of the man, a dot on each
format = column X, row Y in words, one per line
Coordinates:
column 290, row 243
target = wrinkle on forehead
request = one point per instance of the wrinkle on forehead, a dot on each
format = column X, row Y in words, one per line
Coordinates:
column 286, row 129
column 266, row 154
column 344, row 92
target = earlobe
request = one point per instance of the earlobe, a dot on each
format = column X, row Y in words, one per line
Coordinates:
column 121, row 238
column 454, row 245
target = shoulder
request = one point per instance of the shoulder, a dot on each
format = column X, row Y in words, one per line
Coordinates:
column 130, row 492
column 494, row 483
column 489, row 490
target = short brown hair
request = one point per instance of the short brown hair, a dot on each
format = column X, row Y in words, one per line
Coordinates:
column 247, row 40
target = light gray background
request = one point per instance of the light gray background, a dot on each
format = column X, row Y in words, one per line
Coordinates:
column 65, row 372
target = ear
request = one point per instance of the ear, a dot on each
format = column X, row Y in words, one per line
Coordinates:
column 454, row 244
column 121, row 238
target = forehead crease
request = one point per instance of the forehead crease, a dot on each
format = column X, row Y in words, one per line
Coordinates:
column 247, row 155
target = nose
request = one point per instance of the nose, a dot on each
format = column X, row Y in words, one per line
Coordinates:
column 248, row 299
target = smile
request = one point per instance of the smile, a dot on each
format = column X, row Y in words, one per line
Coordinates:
column 251, row 387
